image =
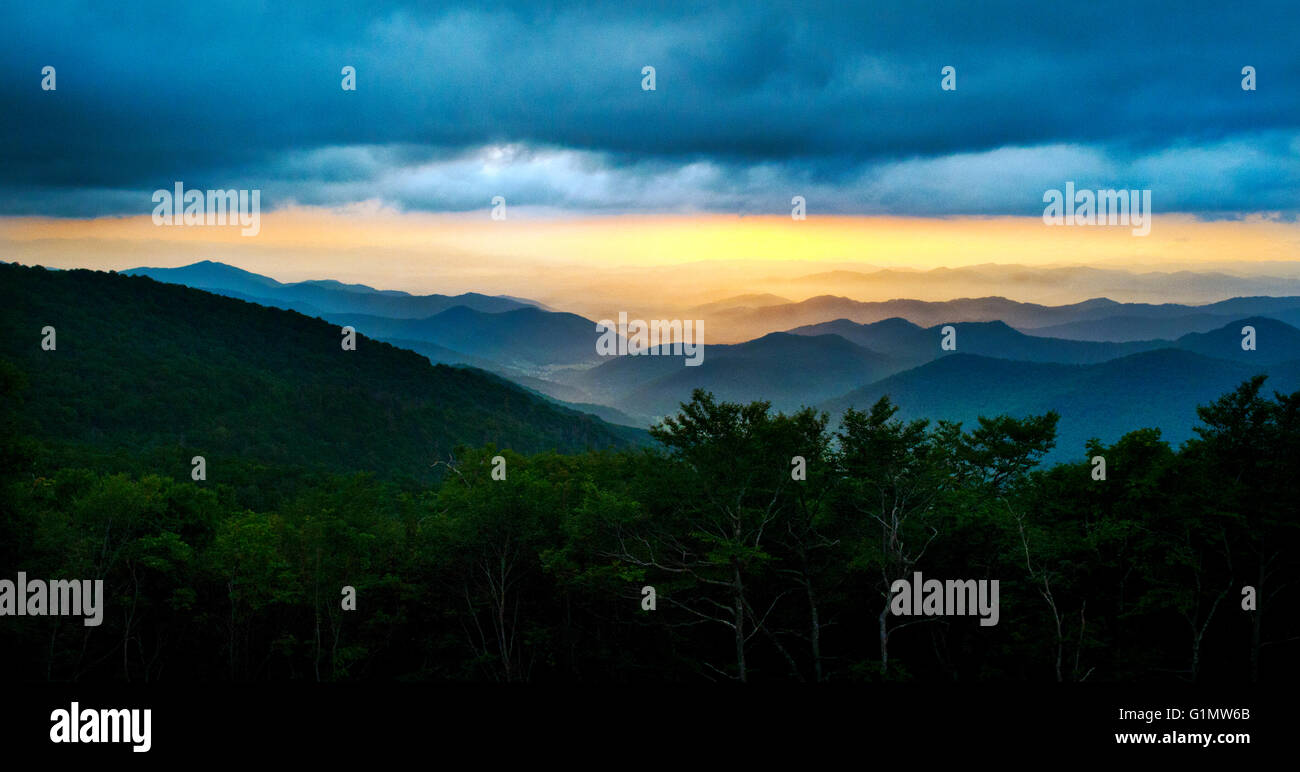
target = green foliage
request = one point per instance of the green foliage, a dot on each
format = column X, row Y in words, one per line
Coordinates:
column 759, row 576
column 147, row 375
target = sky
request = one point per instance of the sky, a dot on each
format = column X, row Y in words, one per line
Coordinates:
column 542, row 104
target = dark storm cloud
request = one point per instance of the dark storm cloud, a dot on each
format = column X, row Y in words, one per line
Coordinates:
column 832, row 97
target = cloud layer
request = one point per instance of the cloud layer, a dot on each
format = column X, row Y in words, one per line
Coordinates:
column 542, row 103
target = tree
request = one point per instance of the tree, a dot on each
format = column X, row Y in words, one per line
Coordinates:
column 895, row 473
column 732, row 466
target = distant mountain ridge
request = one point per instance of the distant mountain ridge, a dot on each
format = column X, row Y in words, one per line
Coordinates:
column 1159, row 389
column 810, row 364
column 321, row 296
column 507, row 335
column 788, row 370
column 1059, row 284
column 1005, row 360
column 913, row 344
column 1162, row 380
column 748, row 322
column 519, row 338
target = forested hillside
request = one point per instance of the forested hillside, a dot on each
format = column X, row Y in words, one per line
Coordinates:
column 146, row 370
column 760, row 574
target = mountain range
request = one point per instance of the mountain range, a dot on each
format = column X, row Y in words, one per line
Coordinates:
column 1152, row 360
column 319, row 297
column 1052, row 284
column 1075, row 321
column 160, row 370
column 810, row 365
column 1158, row 389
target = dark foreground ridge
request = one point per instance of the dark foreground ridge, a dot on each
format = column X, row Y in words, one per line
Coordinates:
column 160, row 369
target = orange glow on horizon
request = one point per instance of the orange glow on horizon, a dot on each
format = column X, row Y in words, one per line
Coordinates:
column 582, row 263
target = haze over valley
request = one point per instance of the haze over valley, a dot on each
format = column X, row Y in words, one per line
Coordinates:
column 1104, row 365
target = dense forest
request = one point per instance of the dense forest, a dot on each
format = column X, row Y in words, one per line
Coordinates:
column 141, row 367
column 766, row 567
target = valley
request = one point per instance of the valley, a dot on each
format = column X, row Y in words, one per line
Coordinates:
column 1105, row 366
